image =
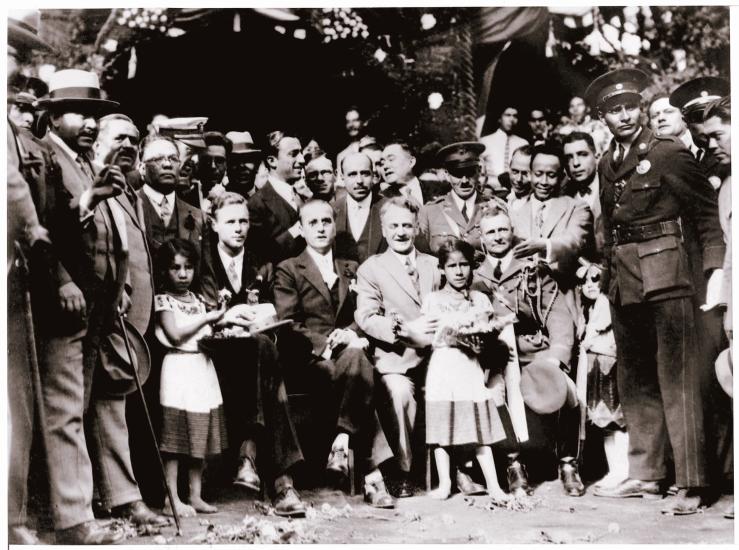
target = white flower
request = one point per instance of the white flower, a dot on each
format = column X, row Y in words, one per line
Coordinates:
column 435, row 100
column 630, row 43
column 380, row 55
column 428, row 21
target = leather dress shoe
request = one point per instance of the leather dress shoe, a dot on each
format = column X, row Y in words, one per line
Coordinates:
column 687, row 502
column 570, row 477
column 631, row 488
column 338, row 462
column 404, row 489
column 89, row 532
column 517, row 479
column 468, row 487
column 287, row 503
column 247, row 475
column 376, row 495
column 20, row 534
column 139, row 513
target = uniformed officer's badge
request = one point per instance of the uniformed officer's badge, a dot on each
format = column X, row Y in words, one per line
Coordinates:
column 643, row 167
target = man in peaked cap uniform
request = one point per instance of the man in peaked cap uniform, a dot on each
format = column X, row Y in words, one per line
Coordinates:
column 455, row 214
column 649, row 184
column 243, row 161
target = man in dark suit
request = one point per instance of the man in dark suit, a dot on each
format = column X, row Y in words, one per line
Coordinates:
column 358, row 226
column 649, row 183
column 324, row 350
column 254, row 395
column 273, row 209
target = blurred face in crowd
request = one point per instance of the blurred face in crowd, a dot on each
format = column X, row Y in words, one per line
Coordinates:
column 497, row 235
column 546, row 174
column 520, row 172
column 118, row 140
column 508, row 119
column 77, row 130
column 187, row 168
column 317, row 223
column 242, row 169
column 181, row 274
column 577, row 109
column 22, row 117
column 397, row 164
column 231, row 224
column 457, row 270
column 320, row 177
column 698, row 132
column 581, row 161
column 162, row 163
column 399, row 227
column 665, row 119
column 538, row 122
column 358, row 176
column 591, row 285
column 464, row 181
column 353, row 123
column 289, row 163
column 622, row 118
column 212, row 165
column 718, row 134
column 376, row 156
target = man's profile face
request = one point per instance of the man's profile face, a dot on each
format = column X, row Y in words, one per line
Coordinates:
column 508, row 119
column 162, row 162
column 520, row 172
column 118, row 141
column 698, row 132
column 497, row 235
column 665, row 119
column 317, row 223
column 397, row 164
column 577, row 109
column 320, row 176
column 231, row 224
column 546, row 174
column 581, row 161
column 399, row 227
column 289, row 162
column 358, row 176
column 77, row 130
column 22, row 118
column 622, row 118
column 353, row 123
column 212, row 165
column 718, row 134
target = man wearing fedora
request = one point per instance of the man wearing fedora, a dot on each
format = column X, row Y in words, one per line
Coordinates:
column 243, row 161
column 650, row 185
column 544, row 339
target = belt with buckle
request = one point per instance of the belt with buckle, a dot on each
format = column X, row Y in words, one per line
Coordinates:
column 639, row 233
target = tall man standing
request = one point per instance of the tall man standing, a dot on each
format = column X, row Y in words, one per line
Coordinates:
column 649, row 184
column 499, row 145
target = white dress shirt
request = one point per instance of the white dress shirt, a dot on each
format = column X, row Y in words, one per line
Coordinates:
column 469, row 202
column 504, row 262
column 687, row 140
column 495, row 148
column 237, row 261
column 514, row 203
column 593, row 197
column 357, row 214
column 325, row 264
column 156, row 199
column 285, row 190
column 413, row 189
column 536, row 206
column 403, row 258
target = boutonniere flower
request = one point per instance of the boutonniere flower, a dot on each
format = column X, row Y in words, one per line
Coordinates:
column 189, row 222
column 353, row 285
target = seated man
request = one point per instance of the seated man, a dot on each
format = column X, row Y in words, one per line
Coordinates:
column 391, row 287
column 324, row 351
column 254, row 396
column 545, row 333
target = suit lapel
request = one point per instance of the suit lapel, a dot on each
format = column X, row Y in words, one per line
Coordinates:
column 183, row 212
column 342, row 222
column 426, row 268
column 522, row 220
column 451, row 210
column 555, row 209
column 637, row 150
column 397, row 271
column 374, row 238
column 311, row 273
column 279, row 206
column 340, row 266
column 74, row 179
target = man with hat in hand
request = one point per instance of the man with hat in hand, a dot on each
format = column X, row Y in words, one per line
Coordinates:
column 456, row 214
column 650, row 184
column 243, row 161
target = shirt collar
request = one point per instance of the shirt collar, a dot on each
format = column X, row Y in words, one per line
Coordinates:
column 326, row 259
column 505, row 261
column 66, row 148
column 282, row 187
column 226, row 258
column 156, row 196
column 364, row 203
column 402, row 257
column 470, row 202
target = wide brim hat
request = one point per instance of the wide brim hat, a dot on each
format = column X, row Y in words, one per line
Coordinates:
column 243, row 144
column 115, row 376
column 545, row 388
column 23, row 28
column 616, row 84
column 725, row 372
column 74, row 89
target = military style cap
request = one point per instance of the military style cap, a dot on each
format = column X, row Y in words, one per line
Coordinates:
column 460, row 155
column 693, row 96
column 188, row 130
column 614, row 84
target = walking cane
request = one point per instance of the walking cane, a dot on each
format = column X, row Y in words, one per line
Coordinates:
column 148, row 420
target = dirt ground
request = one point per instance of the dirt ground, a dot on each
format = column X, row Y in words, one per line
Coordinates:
column 335, row 517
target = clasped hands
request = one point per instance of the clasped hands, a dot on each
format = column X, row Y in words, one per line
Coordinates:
column 529, row 248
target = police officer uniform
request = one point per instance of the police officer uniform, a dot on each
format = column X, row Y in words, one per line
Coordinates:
column 645, row 196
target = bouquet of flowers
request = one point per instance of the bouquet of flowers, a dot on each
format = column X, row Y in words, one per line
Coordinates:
column 467, row 330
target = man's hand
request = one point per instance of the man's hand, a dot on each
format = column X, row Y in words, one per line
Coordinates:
column 529, row 248
column 303, row 191
column 241, row 315
column 296, row 230
column 419, row 332
column 109, row 183
column 71, row 298
column 713, row 290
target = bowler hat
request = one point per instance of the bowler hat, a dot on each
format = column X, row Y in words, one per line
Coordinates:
column 23, row 28
column 116, row 377
column 243, row 144
column 545, row 388
column 76, row 89
column 615, row 84
column 725, row 371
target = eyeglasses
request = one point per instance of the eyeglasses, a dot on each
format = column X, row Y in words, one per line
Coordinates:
column 172, row 159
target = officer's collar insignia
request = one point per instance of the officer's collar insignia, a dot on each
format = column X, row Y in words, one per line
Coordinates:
column 619, row 86
column 643, row 167
column 642, row 146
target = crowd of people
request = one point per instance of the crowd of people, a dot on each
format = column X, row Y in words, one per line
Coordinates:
column 494, row 308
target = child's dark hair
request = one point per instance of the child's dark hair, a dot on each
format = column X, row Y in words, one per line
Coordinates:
column 457, row 245
column 165, row 258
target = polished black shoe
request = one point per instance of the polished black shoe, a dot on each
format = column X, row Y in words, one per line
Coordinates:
column 89, row 532
column 139, row 513
column 404, row 489
column 287, row 503
column 247, row 475
column 517, row 479
column 21, row 534
column 631, row 488
column 570, row 477
column 376, row 495
column 468, row 487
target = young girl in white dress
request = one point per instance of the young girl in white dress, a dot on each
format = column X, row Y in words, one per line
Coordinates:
column 193, row 425
column 460, row 409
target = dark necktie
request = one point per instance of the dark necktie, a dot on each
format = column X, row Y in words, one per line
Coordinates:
column 497, row 271
column 464, row 213
column 699, row 155
column 620, row 154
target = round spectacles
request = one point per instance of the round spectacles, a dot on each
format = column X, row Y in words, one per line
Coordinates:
column 172, row 159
